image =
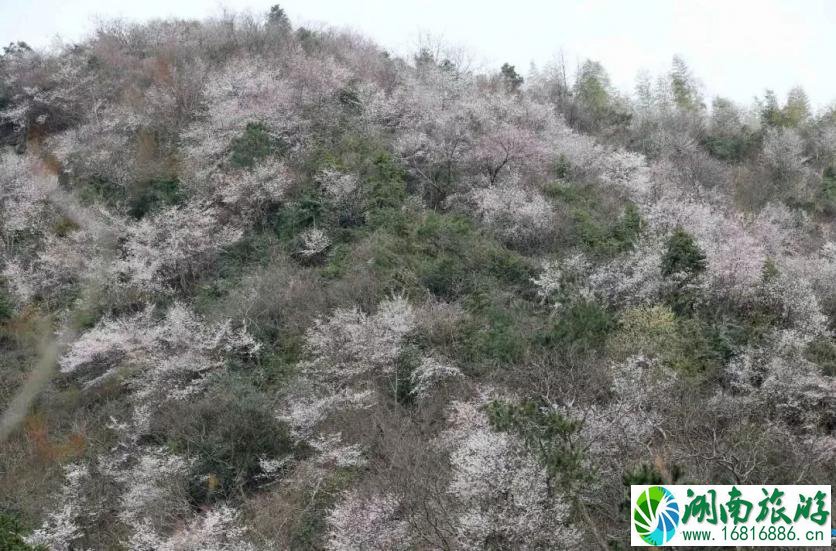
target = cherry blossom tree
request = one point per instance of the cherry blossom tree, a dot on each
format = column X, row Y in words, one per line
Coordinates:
column 171, row 246
column 367, row 523
column 502, row 492
column 349, row 352
column 520, row 217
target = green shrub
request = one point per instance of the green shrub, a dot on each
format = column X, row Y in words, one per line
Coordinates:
column 626, row 231
column 350, row 100
column 308, row 210
column 444, row 254
column 380, row 180
column 562, row 167
column 11, row 535
column 491, row 334
column 99, row 190
column 683, row 261
column 85, row 316
column 690, row 345
column 701, row 348
column 455, row 251
column 252, row 249
column 443, row 266
column 770, row 271
column 826, row 198
column 339, row 260
column 254, row 145
column 582, row 327
column 597, row 223
column 605, row 237
column 405, row 364
column 65, row 226
column 649, row 331
column 308, row 530
column 152, row 195
column 7, row 309
column 682, row 255
column 643, row 474
column 445, row 276
column 309, row 40
column 730, row 148
column 829, row 183
column 226, row 432
column 567, row 193
column 507, row 266
column 822, row 351
column 385, row 177
column 278, row 17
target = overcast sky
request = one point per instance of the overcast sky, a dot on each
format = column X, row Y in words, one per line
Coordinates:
column 736, row 47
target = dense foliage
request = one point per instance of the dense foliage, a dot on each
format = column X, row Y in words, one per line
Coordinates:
column 285, row 290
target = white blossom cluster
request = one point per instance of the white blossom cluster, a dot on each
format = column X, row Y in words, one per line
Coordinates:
column 349, row 351
column 628, row 170
column 352, row 342
column 431, row 373
column 218, row 529
column 172, row 244
column 519, row 217
column 314, row 242
column 152, row 483
column 779, row 378
column 336, row 184
column 27, row 186
column 248, row 191
column 501, row 491
column 162, row 358
column 239, row 93
column 65, row 523
column 361, row 522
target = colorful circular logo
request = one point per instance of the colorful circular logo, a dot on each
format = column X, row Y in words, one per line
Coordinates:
column 656, row 515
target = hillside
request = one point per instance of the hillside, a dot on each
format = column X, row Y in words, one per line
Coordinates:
column 268, row 287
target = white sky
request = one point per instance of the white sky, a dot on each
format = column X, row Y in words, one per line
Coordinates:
column 736, row 47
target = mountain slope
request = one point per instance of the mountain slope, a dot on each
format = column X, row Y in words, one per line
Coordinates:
column 303, row 294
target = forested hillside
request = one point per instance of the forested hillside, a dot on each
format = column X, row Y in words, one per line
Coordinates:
column 267, row 287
